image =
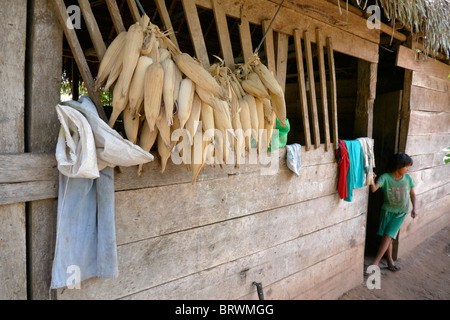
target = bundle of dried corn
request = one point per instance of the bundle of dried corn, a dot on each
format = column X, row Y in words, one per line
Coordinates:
column 158, row 89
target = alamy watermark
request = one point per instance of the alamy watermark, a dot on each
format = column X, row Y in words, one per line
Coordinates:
column 374, row 278
column 374, row 20
column 74, row 19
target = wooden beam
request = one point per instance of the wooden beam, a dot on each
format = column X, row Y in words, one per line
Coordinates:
column 302, row 88
column 92, row 26
column 115, row 16
column 245, row 35
column 365, row 97
column 269, row 47
column 134, row 10
column 224, row 35
column 282, row 58
column 195, row 29
column 162, row 9
column 332, row 71
column 78, row 54
column 411, row 60
column 312, row 89
column 323, row 87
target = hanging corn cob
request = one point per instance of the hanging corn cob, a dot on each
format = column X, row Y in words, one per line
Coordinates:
column 159, row 89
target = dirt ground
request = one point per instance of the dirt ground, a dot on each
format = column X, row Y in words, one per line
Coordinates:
column 424, row 274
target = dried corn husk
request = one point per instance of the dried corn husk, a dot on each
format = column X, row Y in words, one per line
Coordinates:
column 185, row 100
column 154, row 80
column 136, row 92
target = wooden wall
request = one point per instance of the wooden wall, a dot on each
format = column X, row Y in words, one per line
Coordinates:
column 426, row 109
column 211, row 240
column 176, row 240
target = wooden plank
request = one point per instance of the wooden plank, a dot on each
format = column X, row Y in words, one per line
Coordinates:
column 195, row 29
column 13, row 33
column 323, row 86
column 269, row 47
column 308, row 283
column 330, row 15
column 233, row 280
column 302, row 88
column 408, row 59
column 115, row 15
column 210, row 246
column 425, row 161
column 245, row 36
column 224, row 35
column 288, row 20
column 162, row 9
column 228, row 197
column 134, row 10
column 22, row 167
column 92, row 26
column 333, row 93
column 282, row 58
column 429, row 100
column 312, row 88
column 426, row 144
column 27, row 191
column 423, row 80
column 79, row 57
column 430, row 178
column 424, row 122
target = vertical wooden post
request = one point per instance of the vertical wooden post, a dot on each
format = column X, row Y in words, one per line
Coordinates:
column 269, row 47
column 332, row 70
column 246, row 39
column 224, row 35
column 43, row 94
column 312, row 89
column 365, row 97
column 13, row 30
column 282, row 58
column 195, row 29
column 302, row 87
column 323, row 88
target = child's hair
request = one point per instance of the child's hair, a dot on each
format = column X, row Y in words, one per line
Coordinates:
column 399, row 160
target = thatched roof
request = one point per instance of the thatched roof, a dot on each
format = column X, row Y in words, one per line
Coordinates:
column 429, row 20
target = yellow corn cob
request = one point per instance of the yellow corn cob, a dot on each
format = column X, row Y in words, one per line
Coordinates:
column 253, row 115
column 131, row 125
column 110, row 58
column 164, row 152
column 131, row 55
column 279, row 107
column 246, row 122
column 199, row 75
column 168, row 89
column 192, row 122
column 153, row 86
column 119, row 102
column 254, row 86
column 136, row 92
column 147, row 139
column 267, row 78
column 185, row 100
column 163, row 126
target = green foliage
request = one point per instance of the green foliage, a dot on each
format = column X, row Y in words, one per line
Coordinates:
column 447, row 156
column 66, row 91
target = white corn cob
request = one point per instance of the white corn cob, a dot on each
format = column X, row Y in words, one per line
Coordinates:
column 254, row 86
column 136, row 92
column 207, row 117
column 131, row 55
column 199, row 75
column 119, row 102
column 111, row 56
column 194, row 118
column 168, row 89
column 185, row 100
column 131, row 125
column 153, row 84
column 260, row 112
column 253, row 115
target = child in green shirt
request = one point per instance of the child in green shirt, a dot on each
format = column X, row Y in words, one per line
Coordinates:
column 398, row 189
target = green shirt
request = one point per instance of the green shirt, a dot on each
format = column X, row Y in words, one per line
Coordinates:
column 396, row 192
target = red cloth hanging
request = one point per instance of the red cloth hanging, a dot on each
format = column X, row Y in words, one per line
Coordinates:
column 344, row 163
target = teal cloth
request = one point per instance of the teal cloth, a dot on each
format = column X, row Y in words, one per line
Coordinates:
column 355, row 174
